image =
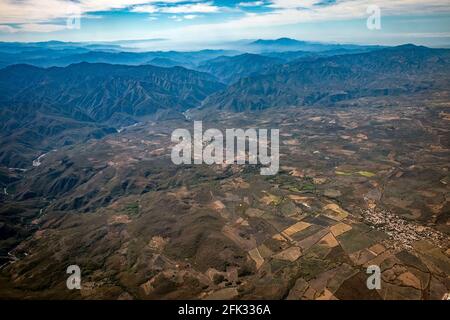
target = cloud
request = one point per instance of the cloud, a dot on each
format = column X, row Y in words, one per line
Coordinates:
column 191, row 16
column 185, row 17
column 8, row 29
column 288, row 12
column 192, row 8
column 51, row 14
column 42, row 11
column 207, row 7
column 146, row 9
column 38, row 11
column 292, row 4
column 44, row 15
column 33, row 27
column 251, row 4
column 175, row 17
column 41, row 27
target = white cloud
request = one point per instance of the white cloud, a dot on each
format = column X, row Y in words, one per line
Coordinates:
column 27, row 14
column 8, row 29
column 176, row 18
column 146, row 9
column 191, row 16
column 207, row 7
column 191, row 8
column 251, row 4
column 288, row 12
column 36, row 11
column 39, row 11
column 41, row 27
column 33, row 27
column 185, row 17
column 292, row 4
column 253, row 23
column 40, row 15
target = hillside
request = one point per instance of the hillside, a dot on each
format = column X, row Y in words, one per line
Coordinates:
column 327, row 80
column 61, row 106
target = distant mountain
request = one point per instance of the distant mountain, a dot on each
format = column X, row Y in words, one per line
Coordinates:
column 85, row 100
column 326, row 80
column 100, row 90
column 159, row 58
column 61, row 54
column 289, row 56
column 41, row 109
column 287, row 44
column 166, row 62
column 231, row 69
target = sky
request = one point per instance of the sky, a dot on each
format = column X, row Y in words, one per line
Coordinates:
column 216, row 21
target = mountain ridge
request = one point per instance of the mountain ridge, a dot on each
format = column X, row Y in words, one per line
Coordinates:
column 85, row 100
column 330, row 79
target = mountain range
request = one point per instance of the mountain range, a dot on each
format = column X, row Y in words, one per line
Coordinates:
column 86, row 100
column 56, row 53
column 86, row 176
column 328, row 80
column 45, row 108
column 287, row 44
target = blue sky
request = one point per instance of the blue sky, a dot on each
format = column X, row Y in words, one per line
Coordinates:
column 214, row 21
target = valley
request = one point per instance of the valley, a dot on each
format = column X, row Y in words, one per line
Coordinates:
column 140, row 227
column 88, row 180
